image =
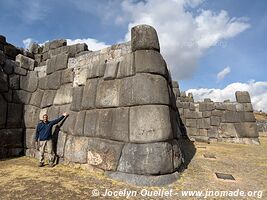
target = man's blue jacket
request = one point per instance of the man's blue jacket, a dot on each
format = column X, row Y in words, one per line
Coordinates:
column 44, row 130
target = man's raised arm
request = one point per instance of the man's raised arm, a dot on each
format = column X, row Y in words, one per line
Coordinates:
column 55, row 121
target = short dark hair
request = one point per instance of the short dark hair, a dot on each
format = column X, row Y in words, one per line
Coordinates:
column 45, row 115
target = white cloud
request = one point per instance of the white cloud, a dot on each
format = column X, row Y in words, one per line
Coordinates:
column 221, row 75
column 27, row 42
column 257, row 90
column 92, row 44
column 184, row 36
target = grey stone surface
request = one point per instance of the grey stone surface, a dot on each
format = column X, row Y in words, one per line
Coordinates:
column 206, row 114
column 150, row 61
column 150, row 123
column 9, row 66
column 215, row 121
column 177, row 155
column 61, row 141
column 113, row 124
column 51, row 65
column 11, row 138
column 206, row 106
column 213, row 132
column 218, row 113
column 14, row 81
column 192, row 114
column 48, row 98
column 3, row 108
column 77, row 95
column 144, row 180
column 144, row 37
column 203, row 123
column 14, row 116
column 111, row 70
column 21, row 96
column 67, row 76
column 30, row 138
column 91, row 122
column 191, row 122
column 43, row 83
column 247, row 107
column 104, row 154
column 36, row 98
column 242, row 97
column 26, row 62
column 79, row 123
column 227, row 130
column 191, row 131
column 63, row 95
column 31, row 116
column 3, row 82
column 61, row 61
column 53, row 112
column 20, row 71
column 96, row 70
column 246, row 130
column 54, row 80
column 69, row 124
column 30, row 82
column 107, row 94
column 76, row 149
column 54, row 44
column 139, row 90
column 90, row 92
column 151, row 158
column 126, row 66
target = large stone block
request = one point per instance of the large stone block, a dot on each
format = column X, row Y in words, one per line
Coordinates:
column 10, row 51
column 230, row 106
column 63, row 95
column 248, row 117
column 150, row 62
column 53, row 112
column 177, row 155
column 26, row 62
column 144, row 37
column 91, row 122
column 14, row 116
column 227, row 130
column 247, row 130
column 203, row 123
column 69, row 124
column 192, row 114
column 31, row 116
column 51, row 63
column 30, row 82
column 206, row 106
column 3, row 82
column 54, row 80
column 150, row 123
column 43, row 83
column 80, row 76
column 111, row 70
column 76, row 149
column 191, row 122
column 30, row 138
column 242, row 97
column 3, row 109
column 9, row 66
column 48, row 98
column 141, row 89
column 21, row 96
column 67, row 76
column 11, row 138
column 77, row 95
column 107, row 93
column 54, row 44
column 213, row 132
column 215, row 121
column 231, row 116
column 79, row 125
column 61, row 141
column 247, row 107
column 113, row 124
column 96, row 70
column 126, row 66
column 61, row 61
column 14, row 81
column 218, row 113
column 104, row 154
column 36, row 98
column 91, row 92
column 20, row 71
column 151, row 158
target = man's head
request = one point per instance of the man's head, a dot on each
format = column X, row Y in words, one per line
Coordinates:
column 45, row 118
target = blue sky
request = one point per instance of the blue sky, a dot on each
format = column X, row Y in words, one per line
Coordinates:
column 227, row 36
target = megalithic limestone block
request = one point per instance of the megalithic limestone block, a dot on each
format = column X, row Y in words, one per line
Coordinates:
column 144, row 37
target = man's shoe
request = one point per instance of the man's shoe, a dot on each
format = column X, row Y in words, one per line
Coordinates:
column 40, row 164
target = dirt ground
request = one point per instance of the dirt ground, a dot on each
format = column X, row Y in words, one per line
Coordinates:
column 20, row 178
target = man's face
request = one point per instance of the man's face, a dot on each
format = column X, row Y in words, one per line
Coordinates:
column 45, row 118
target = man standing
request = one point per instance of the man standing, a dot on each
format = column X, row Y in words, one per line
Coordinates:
column 44, row 136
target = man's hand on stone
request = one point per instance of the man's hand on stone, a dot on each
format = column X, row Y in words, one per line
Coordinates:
column 65, row 114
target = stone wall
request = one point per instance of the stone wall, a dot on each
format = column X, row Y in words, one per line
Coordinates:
column 218, row 121
column 122, row 113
